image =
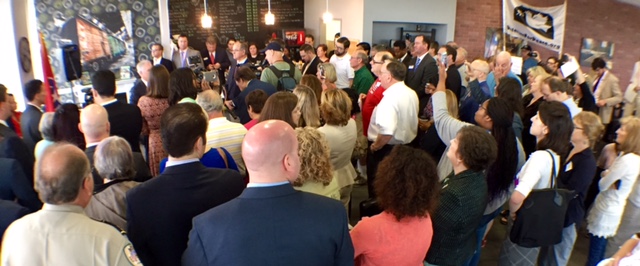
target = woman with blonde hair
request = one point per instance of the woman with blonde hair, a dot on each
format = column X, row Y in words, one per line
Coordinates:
column 327, row 75
column 616, row 185
column 308, row 105
column 316, row 173
column 341, row 133
column 314, row 83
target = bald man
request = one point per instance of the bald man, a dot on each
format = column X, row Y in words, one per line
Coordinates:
column 501, row 69
column 94, row 124
column 64, row 183
column 270, row 223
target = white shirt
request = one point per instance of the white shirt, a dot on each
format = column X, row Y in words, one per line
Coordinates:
column 395, row 115
column 180, row 162
column 344, row 71
column 109, row 102
column 536, row 172
column 156, row 61
column 4, row 123
column 573, row 107
column 596, row 90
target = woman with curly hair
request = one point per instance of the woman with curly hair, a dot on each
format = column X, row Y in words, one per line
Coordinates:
column 407, row 190
column 308, row 105
column 315, row 166
column 341, row 133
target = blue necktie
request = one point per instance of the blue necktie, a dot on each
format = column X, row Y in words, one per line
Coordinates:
column 417, row 64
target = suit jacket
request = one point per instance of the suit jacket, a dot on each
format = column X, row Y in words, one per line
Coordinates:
column 313, row 67
column 138, row 90
column 29, row 122
column 407, row 60
column 126, row 122
column 15, row 185
column 159, row 211
column 271, row 226
column 12, row 147
column 167, row 64
column 610, row 92
column 221, row 57
column 241, row 109
column 232, row 86
column 418, row 77
column 11, row 211
column 141, row 166
column 177, row 58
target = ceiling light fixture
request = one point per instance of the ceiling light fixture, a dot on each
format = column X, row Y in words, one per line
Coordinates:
column 269, row 18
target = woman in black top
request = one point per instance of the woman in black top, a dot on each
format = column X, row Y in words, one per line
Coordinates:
column 531, row 102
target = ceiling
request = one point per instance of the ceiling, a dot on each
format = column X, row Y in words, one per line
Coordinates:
column 631, row 2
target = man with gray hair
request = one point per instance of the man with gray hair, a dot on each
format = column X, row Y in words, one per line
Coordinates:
column 94, row 124
column 64, row 183
column 140, row 88
column 221, row 132
column 114, row 162
column 363, row 79
column 502, row 69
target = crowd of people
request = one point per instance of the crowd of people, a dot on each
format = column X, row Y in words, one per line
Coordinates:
column 258, row 166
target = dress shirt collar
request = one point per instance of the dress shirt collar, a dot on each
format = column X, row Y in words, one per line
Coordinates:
column 62, row 208
column 109, row 102
column 4, row 123
column 180, row 162
column 89, row 145
column 395, row 86
column 243, row 61
column 267, row 184
column 37, row 107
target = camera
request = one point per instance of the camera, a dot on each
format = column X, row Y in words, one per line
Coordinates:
column 88, row 97
column 533, row 54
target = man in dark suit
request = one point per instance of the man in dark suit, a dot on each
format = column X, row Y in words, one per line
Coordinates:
column 311, row 61
column 240, row 50
column 400, row 52
column 35, row 94
column 12, row 146
column 159, row 211
column 11, row 211
column 140, row 88
column 156, row 53
column 247, row 82
column 421, row 69
column 94, row 124
column 215, row 58
column 15, row 186
column 125, row 119
column 271, row 223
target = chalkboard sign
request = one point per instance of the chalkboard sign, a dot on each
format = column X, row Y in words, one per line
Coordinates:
column 238, row 19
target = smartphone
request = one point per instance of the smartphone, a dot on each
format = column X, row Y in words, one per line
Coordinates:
column 443, row 59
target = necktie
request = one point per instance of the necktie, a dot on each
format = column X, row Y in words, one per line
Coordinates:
column 417, row 64
column 184, row 59
column 212, row 59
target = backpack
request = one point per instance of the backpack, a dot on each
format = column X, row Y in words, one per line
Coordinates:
column 286, row 81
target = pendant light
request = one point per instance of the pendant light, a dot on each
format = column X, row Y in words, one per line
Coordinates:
column 327, row 17
column 269, row 18
column 206, row 19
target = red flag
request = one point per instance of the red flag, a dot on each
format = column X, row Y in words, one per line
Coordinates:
column 49, row 79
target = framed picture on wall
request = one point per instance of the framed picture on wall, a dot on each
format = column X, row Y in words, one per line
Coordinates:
column 592, row 48
column 494, row 43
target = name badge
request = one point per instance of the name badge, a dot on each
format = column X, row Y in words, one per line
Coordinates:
column 410, row 67
column 569, row 167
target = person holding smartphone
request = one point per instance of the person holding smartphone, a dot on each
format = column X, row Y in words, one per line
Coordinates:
column 447, row 56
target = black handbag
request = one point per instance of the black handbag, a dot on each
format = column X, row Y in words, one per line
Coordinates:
column 540, row 220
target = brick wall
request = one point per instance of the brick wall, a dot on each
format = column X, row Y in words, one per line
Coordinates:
column 607, row 20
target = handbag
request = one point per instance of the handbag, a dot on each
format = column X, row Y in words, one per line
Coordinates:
column 540, row 219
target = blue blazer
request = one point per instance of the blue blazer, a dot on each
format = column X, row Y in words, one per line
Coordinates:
column 240, row 105
column 159, row 211
column 15, row 185
column 12, row 147
column 11, row 211
column 271, row 226
column 167, row 64
column 137, row 90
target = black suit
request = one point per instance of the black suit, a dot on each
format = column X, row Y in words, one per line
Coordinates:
column 29, row 122
column 239, row 101
column 142, row 169
column 15, row 185
column 221, row 58
column 126, row 122
column 313, row 67
column 159, row 211
column 454, row 81
column 138, row 90
column 167, row 64
column 11, row 211
column 407, row 60
column 418, row 77
column 232, row 86
column 12, row 147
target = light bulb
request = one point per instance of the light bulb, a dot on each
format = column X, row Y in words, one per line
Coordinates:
column 327, row 17
column 206, row 21
column 269, row 18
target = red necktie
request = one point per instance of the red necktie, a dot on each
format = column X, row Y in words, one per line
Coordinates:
column 213, row 59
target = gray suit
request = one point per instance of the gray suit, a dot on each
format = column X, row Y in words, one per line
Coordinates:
column 178, row 60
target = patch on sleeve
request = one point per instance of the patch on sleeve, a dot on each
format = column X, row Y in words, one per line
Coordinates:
column 131, row 255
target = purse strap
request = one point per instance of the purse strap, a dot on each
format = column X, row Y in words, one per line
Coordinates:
column 224, row 157
column 552, row 177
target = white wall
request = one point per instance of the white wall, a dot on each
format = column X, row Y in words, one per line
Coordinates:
column 350, row 12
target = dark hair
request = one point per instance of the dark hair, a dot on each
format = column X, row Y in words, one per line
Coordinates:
column 231, row 39
column 501, row 173
column 424, row 40
column 32, row 88
column 157, row 44
column 314, row 83
column 104, row 82
column 558, row 84
column 365, row 46
column 245, row 73
column 181, row 85
column 65, row 125
column 256, row 99
column 183, row 36
column 397, row 70
column 3, row 93
column 451, row 51
column 477, row 148
column 511, row 91
column 435, row 45
column 310, row 36
column 158, row 82
column 180, row 127
column 557, row 118
column 279, row 106
column 345, row 41
column 407, row 183
column 400, row 44
column 598, row 62
column 324, row 47
column 307, row 48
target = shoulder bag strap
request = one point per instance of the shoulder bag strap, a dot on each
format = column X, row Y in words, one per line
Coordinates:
column 224, row 157
column 552, row 178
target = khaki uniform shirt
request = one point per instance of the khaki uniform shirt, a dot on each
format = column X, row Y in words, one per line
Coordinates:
column 64, row 235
